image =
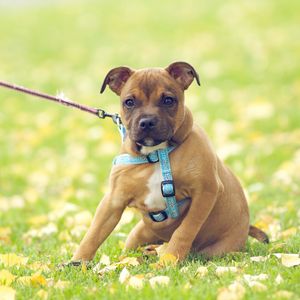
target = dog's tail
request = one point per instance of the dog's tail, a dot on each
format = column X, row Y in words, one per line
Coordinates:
column 258, row 234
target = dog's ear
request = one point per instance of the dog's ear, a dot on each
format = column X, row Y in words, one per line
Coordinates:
column 116, row 78
column 183, row 73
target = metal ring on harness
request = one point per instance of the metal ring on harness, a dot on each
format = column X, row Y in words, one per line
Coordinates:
column 158, row 216
column 152, row 157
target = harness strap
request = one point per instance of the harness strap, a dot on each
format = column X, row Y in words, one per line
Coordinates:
column 127, row 159
column 167, row 185
column 162, row 215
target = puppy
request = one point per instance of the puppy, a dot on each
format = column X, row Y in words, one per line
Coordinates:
column 213, row 219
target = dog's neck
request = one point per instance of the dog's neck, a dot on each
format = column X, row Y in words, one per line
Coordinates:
column 184, row 129
column 178, row 138
column 146, row 150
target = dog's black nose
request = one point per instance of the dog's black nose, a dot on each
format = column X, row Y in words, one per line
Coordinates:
column 148, row 123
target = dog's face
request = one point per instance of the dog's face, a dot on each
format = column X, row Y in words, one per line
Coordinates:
column 152, row 100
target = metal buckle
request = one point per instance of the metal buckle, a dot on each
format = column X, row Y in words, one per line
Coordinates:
column 152, row 215
column 163, row 186
column 152, row 161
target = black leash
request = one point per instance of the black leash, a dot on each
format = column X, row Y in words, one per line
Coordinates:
column 100, row 113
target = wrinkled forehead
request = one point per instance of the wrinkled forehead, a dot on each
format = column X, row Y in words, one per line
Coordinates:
column 148, row 83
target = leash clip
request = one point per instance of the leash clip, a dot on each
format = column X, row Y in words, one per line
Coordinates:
column 101, row 113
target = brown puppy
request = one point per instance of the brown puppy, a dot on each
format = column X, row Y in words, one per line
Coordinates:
column 215, row 220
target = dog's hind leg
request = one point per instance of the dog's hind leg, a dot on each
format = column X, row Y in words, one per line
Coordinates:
column 234, row 241
column 141, row 235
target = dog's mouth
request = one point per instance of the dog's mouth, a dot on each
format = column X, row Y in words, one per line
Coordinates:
column 150, row 137
column 149, row 142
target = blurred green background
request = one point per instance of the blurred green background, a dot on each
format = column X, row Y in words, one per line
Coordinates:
column 247, row 55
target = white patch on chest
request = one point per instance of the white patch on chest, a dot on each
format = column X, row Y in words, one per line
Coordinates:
column 154, row 200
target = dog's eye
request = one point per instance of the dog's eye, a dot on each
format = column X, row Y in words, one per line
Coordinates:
column 129, row 103
column 168, row 101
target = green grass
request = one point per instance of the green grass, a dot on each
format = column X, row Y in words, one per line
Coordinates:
column 247, row 55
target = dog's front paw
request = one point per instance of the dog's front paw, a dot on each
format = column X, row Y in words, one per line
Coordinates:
column 151, row 250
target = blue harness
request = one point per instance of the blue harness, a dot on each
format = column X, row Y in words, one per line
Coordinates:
column 167, row 185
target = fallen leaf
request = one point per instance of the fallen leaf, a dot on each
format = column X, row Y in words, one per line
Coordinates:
column 64, row 236
column 82, row 218
column 36, row 279
column 38, row 220
column 258, row 258
column 61, row 209
column 159, row 280
column 184, row 270
column 149, row 275
column 234, row 291
column 31, row 195
column 142, row 276
column 49, row 229
column 6, row 278
column 24, row 280
column 42, row 294
column 187, row 286
column 156, row 266
column 278, row 255
column 277, row 246
column 104, row 260
column 284, row 294
column 201, row 271
column 37, row 266
column 111, row 290
column 229, row 149
column 104, row 270
column 129, row 261
column 290, row 260
column 222, row 270
column 78, row 230
column 7, row 293
column 278, row 279
column 124, row 262
column 11, row 259
column 248, row 278
column 288, row 233
column 168, row 259
column 121, row 244
column 136, row 282
column 269, row 224
column 61, row 284
column 5, row 233
column 257, row 286
column 259, row 109
column 124, row 275
column 68, row 248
